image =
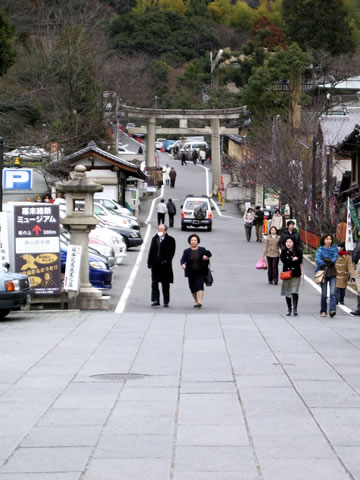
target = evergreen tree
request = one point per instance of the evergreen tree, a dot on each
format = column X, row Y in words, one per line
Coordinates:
column 314, row 25
column 7, row 51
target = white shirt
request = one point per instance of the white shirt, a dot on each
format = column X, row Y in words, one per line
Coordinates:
column 161, row 208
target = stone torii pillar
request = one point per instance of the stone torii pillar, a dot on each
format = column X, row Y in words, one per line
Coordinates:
column 215, row 155
column 150, row 142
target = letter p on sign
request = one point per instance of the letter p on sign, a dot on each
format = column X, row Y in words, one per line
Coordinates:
column 17, row 179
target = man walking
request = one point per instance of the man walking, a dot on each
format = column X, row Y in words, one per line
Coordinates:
column 171, row 212
column 161, row 210
column 161, row 253
column 290, row 232
column 259, row 222
column 172, row 176
column 183, row 158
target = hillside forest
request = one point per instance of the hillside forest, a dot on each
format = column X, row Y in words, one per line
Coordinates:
column 58, row 57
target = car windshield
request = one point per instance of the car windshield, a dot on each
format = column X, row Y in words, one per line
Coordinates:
column 192, row 204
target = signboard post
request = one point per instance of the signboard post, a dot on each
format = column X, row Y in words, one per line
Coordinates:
column 72, row 269
column 4, row 240
column 37, row 246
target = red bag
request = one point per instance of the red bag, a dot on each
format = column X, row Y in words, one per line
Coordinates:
column 286, row 275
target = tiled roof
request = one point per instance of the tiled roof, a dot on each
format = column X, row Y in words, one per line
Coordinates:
column 92, row 147
column 336, row 127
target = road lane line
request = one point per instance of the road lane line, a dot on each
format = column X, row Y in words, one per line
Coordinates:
column 120, row 307
column 208, row 193
column 316, row 286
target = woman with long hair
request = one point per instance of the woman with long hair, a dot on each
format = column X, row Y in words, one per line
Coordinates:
column 272, row 254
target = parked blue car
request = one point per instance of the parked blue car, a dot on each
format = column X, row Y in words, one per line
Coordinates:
column 100, row 272
column 15, row 291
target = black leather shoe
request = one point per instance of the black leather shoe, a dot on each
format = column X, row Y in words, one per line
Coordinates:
column 155, row 304
column 166, row 305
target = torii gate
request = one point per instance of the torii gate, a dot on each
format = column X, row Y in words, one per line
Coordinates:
column 215, row 130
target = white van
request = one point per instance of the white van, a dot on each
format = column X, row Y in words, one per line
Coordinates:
column 189, row 147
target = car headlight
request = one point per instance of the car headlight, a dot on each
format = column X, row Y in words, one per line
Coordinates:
column 115, row 240
column 134, row 235
column 98, row 265
column 12, row 285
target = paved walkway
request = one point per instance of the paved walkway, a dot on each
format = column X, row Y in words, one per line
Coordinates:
column 214, row 397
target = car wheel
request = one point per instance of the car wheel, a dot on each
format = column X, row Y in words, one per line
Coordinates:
column 199, row 213
column 209, row 228
column 3, row 313
column 126, row 242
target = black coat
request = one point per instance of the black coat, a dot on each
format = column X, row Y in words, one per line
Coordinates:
column 286, row 257
column 171, row 208
column 204, row 264
column 160, row 258
column 295, row 236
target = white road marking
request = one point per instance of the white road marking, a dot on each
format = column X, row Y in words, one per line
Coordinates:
column 208, row 193
column 120, row 307
column 316, row 286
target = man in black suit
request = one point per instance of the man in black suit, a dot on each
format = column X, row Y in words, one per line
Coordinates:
column 161, row 253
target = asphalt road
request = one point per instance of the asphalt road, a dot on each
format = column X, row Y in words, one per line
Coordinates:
column 238, row 286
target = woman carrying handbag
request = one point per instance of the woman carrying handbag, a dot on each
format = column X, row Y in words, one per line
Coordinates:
column 292, row 258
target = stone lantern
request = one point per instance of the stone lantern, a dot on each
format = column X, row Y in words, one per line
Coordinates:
column 79, row 221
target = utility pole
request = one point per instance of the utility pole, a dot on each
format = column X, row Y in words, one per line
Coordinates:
column 1, row 171
column 117, row 124
column 327, row 189
column 313, row 177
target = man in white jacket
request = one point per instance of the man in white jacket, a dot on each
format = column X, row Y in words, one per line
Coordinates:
column 161, row 211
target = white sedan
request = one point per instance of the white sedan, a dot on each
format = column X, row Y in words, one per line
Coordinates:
column 122, row 150
column 112, row 239
column 28, row 153
column 114, row 219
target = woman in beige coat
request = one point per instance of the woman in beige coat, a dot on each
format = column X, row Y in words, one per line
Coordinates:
column 272, row 254
column 344, row 268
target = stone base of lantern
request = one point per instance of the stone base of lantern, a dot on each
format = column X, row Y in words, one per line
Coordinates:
column 92, row 299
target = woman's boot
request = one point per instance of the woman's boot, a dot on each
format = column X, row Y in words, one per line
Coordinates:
column 357, row 311
column 288, row 302
column 295, row 302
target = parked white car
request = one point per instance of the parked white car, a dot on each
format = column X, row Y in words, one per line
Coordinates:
column 110, row 217
column 110, row 238
column 115, row 207
column 159, row 143
column 28, row 153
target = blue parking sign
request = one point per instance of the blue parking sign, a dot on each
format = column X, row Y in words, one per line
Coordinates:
column 17, row 179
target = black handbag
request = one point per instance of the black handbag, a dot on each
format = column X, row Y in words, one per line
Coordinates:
column 209, row 280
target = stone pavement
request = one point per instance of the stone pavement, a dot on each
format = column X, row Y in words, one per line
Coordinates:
column 215, row 397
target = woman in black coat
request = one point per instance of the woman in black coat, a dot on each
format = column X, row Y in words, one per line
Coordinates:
column 195, row 263
column 291, row 257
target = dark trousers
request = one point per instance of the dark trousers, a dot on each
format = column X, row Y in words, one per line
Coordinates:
column 171, row 219
column 161, row 218
column 273, row 271
column 172, row 183
column 340, row 294
column 248, row 228
column 155, row 292
column 183, row 162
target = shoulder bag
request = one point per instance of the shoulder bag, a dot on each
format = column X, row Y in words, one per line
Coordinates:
column 209, row 280
column 286, row 275
column 320, row 276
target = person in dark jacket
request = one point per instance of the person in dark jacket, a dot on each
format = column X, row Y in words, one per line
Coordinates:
column 161, row 253
column 172, row 175
column 195, row 263
column 291, row 232
column 291, row 257
column 183, row 158
column 325, row 259
column 171, row 212
column 259, row 222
